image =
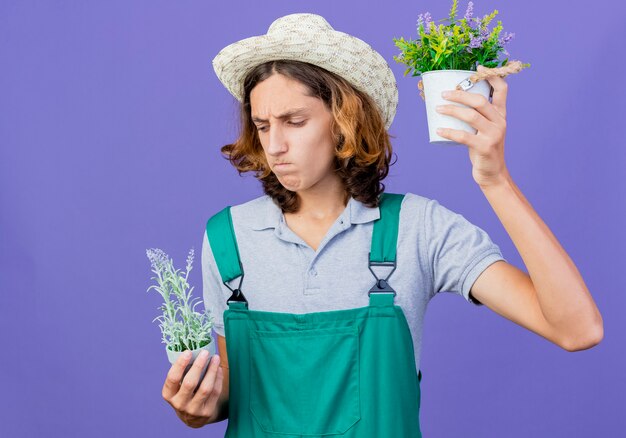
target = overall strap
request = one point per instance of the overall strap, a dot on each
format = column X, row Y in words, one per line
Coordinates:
column 385, row 234
column 221, row 236
column 384, row 243
column 383, row 250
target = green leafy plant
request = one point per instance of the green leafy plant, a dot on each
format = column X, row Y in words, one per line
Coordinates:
column 460, row 45
column 181, row 326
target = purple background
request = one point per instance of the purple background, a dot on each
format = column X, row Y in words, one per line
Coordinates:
column 110, row 127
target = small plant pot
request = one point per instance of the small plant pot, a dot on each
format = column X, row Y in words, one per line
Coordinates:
column 437, row 81
column 174, row 355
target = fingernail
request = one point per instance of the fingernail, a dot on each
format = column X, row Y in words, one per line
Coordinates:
column 187, row 354
column 204, row 354
column 446, row 94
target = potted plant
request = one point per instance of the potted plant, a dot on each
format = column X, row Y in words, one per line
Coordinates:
column 182, row 328
column 449, row 57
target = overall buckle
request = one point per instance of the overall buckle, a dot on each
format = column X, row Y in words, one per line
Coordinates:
column 236, row 296
column 381, row 285
column 237, row 293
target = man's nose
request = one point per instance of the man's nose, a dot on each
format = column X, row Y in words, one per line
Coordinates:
column 276, row 140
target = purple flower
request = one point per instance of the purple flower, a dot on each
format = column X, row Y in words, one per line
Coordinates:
column 425, row 20
column 506, row 38
column 469, row 11
column 157, row 258
column 475, row 42
column 420, row 20
column 427, row 17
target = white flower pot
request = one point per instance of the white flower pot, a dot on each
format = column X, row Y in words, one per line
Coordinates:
column 174, row 355
column 437, row 81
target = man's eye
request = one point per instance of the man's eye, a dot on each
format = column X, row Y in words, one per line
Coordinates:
column 264, row 128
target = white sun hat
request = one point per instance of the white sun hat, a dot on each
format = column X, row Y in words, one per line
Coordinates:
column 309, row 38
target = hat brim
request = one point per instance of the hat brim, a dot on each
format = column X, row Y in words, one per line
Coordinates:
column 338, row 52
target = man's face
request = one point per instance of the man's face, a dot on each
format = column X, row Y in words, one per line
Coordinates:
column 302, row 139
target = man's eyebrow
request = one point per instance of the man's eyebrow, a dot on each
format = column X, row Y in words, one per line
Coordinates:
column 291, row 112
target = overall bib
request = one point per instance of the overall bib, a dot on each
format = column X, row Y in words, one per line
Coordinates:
column 341, row 373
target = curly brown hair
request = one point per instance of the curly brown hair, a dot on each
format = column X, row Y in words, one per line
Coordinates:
column 363, row 151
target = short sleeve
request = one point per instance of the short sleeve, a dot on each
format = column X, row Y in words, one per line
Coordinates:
column 212, row 289
column 458, row 251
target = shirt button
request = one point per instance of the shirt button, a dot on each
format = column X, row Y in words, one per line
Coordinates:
column 313, row 272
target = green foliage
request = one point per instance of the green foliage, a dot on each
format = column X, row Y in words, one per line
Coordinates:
column 455, row 46
column 182, row 328
column 453, row 12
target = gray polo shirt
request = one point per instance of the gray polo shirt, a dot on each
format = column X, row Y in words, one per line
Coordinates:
column 438, row 251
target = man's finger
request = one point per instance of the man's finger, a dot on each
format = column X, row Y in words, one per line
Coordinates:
column 190, row 382
column 174, row 376
column 211, row 385
column 500, row 88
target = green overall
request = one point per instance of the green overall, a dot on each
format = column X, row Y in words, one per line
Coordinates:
column 346, row 373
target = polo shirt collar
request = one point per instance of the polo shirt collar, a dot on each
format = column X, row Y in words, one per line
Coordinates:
column 270, row 214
